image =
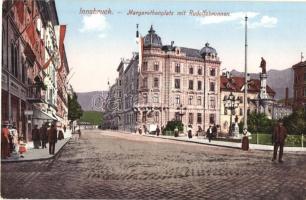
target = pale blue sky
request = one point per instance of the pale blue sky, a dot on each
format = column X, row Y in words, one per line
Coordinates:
column 95, row 44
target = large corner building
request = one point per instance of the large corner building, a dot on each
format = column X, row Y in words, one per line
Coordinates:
column 163, row 83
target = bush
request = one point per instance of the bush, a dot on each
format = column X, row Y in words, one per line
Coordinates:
column 296, row 122
column 171, row 125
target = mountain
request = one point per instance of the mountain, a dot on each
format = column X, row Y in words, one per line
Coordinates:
column 92, row 101
column 278, row 80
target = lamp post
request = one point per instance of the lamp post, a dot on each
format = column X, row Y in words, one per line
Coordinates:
column 181, row 111
column 231, row 103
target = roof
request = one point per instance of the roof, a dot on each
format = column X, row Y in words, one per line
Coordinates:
column 152, row 39
column 300, row 64
column 235, row 84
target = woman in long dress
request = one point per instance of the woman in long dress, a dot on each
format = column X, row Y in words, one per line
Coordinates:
column 245, row 140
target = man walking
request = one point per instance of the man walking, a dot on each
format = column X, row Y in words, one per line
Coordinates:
column 209, row 133
column 35, row 137
column 43, row 135
column 278, row 139
column 52, row 138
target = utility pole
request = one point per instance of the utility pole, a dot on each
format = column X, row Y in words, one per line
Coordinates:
column 245, row 76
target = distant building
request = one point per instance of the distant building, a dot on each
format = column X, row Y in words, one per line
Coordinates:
column 299, row 85
column 235, row 85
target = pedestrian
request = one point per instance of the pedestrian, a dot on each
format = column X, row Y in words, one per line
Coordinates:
column 43, row 135
column 176, row 132
column 64, row 128
column 214, row 131
column 245, row 140
column 209, row 133
column 189, row 130
column 35, row 137
column 52, row 138
column 60, row 134
column 278, row 139
column 5, row 151
column 157, row 130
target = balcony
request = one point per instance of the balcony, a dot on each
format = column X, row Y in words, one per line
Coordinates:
column 35, row 94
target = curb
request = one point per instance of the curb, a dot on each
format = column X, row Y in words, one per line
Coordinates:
column 196, row 142
column 216, row 145
column 37, row 159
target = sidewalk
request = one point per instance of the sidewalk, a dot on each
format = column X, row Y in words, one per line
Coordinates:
column 38, row 154
column 234, row 145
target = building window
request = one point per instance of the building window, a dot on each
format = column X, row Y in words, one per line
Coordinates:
column 156, row 82
column 23, row 71
column 14, row 60
column 212, row 102
column 156, row 98
column 199, row 118
column 177, row 68
column 144, row 116
column 177, row 83
column 177, row 99
column 156, row 66
column 212, row 72
column 211, row 118
column 145, row 82
column 145, row 98
column 177, row 116
column 200, row 71
column 190, row 118
column 190, row 85
column 212, row 86
column 145, row 66
column 190, row 100
column 199, row 85
column 156, row 117
column 190, row 70
column 199, row 101
column 119, row 82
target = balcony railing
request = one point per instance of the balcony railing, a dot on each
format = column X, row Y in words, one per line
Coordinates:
column 35, row 94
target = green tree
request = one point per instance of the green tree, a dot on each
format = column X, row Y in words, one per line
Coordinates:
column 171, row 125
column 74, row 108
column 258, row 122
column 296, row 122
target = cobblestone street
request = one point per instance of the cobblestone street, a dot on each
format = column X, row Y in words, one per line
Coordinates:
column 112, row 165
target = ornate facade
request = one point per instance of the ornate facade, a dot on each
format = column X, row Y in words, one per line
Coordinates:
column 168, row 83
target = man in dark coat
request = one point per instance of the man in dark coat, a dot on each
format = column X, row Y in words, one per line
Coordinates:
column 52, row 138
column 157, row 131
column 278, row 139
column 35, row 137
column 209, row 133
column 43, row 135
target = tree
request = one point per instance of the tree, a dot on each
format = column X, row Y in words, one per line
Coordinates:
column 171, row 125
column 259, row 122
column 74, row 108
column 296, row 122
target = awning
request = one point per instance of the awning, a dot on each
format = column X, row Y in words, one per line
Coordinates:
column 39, row 114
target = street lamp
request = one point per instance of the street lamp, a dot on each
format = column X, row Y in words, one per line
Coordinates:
column 231, row 103
column 181, row 112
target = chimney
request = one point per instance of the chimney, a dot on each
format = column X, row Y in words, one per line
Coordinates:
column 286, row 98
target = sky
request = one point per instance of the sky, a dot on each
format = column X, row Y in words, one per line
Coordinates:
column 96, row 43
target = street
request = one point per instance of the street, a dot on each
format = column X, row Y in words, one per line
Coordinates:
column 109, row 165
